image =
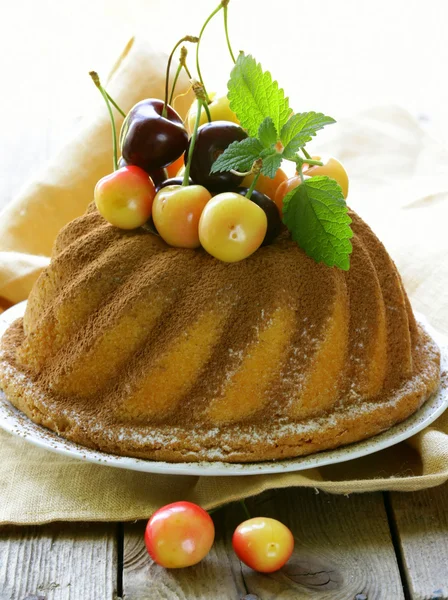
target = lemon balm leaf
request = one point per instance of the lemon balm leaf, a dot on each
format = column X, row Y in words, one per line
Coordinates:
column 267, row 134
column 253, row 96
column 239, row 156
column 317, row 216
column 271, row 162
column 299, row 130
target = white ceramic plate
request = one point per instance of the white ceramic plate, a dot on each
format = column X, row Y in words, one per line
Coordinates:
column 13, row 421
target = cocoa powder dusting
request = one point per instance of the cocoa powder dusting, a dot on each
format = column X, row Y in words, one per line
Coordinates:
column 112, row 326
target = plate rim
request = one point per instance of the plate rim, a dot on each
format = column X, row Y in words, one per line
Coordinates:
column 12, row 421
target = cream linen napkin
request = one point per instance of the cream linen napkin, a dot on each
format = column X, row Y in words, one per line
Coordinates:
column 399, row 184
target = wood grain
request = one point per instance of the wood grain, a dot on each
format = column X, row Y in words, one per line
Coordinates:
column 421, row 522
column 343, row 550
column 58, row 562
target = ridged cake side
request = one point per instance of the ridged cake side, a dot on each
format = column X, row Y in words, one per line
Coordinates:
column 137, row 348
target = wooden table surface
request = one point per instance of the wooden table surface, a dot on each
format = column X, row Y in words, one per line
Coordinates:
column 363, row 547
column 388, row 546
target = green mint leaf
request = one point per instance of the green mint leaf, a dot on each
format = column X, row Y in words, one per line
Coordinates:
column 271, row 162
column 316, row 215
column 239, row 156
column 267, row 134
column 299, row 130
column 254, row 96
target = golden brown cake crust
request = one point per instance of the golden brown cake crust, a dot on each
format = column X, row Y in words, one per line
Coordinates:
column 133, row 347
column 238, row 443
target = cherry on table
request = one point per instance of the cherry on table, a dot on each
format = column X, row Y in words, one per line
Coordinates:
column 212, row 139
column 150, row 140
column 263, row 544
column 179, row 535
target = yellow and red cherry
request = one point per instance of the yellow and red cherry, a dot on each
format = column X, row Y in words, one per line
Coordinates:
column 269, row 207
column 284, row 188
column 176, row 212
column 150, row 140
column 173, row 169
column 263, row 544
column 331, row 168
column 219, row 108
column 179, row 535
column 266, row 185
column 211, row 141
column 231, row 227
column 125, row 197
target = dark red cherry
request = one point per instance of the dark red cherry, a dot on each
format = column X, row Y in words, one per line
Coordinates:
column 172, row 181
column 148, row 139
column 275, row 224
column 157, row 176
column 213, row 138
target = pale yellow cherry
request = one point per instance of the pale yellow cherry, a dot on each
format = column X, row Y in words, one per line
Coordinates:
column 232, row 227
column 176, row 212
column 219, row 111
column 331, row 168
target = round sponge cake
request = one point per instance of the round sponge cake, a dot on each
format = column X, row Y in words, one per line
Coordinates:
column 137, row 348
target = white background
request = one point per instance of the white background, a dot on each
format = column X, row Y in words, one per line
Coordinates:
column 335, row 56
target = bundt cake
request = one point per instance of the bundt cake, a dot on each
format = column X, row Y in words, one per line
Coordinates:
column 137, row 348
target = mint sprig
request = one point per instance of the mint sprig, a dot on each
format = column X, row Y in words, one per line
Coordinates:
column 253, row 96
column 316, row 214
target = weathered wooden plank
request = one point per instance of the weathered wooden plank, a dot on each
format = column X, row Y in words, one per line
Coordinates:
column 343, row 551
column 421, row 526
column 58, row 562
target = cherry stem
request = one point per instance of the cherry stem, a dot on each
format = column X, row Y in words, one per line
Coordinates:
column 187, row 38
column 307, row 155
column 314, row 162
column 182, row 63
column 256, row 170
column 186, row 179
column 96, row 81
column 241, row 174
column 122, row 113
column 207, row 111
column 227, row 34
column 176, row 77
column 198, row 68
column 299, row 169
column 252, row 186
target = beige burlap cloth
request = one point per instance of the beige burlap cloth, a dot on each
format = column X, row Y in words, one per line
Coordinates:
column 399, row 184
